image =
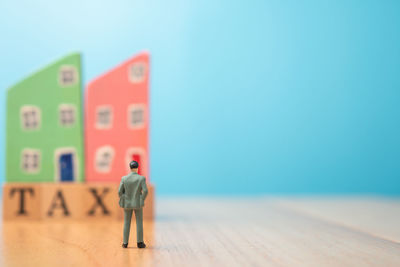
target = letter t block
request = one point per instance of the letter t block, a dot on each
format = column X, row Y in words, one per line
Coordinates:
column 21, row 201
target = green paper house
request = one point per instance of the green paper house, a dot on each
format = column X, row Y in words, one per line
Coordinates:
column 44, row 135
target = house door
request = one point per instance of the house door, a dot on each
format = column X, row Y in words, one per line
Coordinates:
column 66, row 167
column 136, row 157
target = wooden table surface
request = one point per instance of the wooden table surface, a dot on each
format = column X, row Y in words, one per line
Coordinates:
column 207, row 231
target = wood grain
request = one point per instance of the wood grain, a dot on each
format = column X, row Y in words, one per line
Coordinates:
column 204, row 232
column 379, row 216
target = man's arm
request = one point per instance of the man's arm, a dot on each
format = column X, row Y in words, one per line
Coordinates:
column 121, row 189
column 144, row 189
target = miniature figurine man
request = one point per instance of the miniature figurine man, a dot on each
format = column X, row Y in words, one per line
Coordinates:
column 132, row 193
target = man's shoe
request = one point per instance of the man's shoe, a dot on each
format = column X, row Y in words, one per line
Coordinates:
column 124, row 245
column 141, row 245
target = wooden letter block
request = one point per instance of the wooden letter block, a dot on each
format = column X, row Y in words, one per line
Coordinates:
column 101, row 200
column 21, row 201
column 148, row 210
column 67, row 201
column 62, row 201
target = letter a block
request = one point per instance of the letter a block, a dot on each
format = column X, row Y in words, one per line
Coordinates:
column 21, row 201
column 62, row 201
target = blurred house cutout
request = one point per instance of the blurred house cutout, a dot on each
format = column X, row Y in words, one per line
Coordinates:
column 44, row 135
column 48, row 154
column 117, row 121
column 45, row 127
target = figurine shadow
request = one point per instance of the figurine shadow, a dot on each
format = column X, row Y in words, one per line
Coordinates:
column 147, row 248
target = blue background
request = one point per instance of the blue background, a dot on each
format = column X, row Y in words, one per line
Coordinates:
column 248, row 97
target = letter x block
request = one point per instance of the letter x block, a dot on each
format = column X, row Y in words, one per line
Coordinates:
column 101, row 201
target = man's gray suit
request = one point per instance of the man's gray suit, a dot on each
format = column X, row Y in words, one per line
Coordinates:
column 132, row 193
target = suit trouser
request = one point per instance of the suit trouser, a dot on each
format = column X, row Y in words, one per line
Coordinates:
column 139, row 224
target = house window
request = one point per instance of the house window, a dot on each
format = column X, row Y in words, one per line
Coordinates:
column 30, row 117
column 104, row 159
column 30, row 160
column 68, row 75
column 104, row 117
column 137, row 72
column 67, row 114
column 136, row 116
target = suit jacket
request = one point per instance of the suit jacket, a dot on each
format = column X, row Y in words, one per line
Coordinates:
column 132, row 191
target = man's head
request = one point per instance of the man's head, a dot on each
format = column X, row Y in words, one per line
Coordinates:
column 134, row 165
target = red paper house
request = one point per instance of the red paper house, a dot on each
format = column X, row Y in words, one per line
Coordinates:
column 117, row 121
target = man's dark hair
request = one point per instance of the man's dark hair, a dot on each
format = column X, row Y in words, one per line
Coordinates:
column 134, row 164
